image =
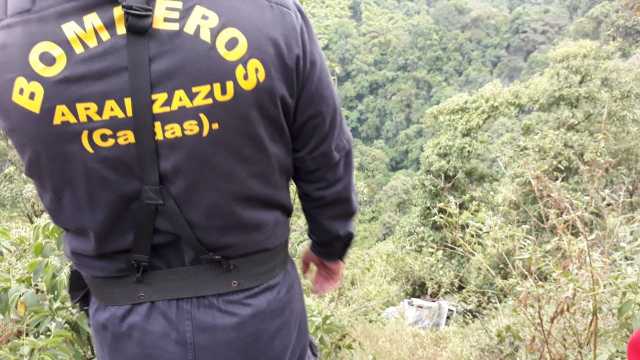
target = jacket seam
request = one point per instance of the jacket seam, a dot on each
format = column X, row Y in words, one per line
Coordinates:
column 282, row 6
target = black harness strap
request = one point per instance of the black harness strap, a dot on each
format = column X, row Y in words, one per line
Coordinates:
column 193, row 250
column 204, row 273
column 139, row 17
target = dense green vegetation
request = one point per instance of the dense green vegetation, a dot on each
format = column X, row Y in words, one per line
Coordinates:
column 497, row 153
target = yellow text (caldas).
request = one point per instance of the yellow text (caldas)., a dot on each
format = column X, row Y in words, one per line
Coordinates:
column 106, row 138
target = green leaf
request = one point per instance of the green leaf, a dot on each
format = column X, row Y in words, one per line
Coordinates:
column 4, row 302
column 33, row 265
column 624, row 309
column 5, row 235
column 636, row 322
column 48, row 250
column 31, row 299
column 37, row 248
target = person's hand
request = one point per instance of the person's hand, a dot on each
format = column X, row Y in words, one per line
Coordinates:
column 328, row 275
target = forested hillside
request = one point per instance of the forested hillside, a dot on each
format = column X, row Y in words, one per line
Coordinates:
column 498, row 162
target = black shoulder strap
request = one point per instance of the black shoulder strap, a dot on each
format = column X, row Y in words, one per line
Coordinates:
column 139, row 17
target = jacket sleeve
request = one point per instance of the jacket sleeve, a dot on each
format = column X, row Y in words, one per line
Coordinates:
column 322, row 152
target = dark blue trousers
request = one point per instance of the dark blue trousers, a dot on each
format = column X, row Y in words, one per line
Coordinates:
column 268, row 322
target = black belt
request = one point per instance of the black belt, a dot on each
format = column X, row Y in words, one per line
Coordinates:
column 192, row 281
